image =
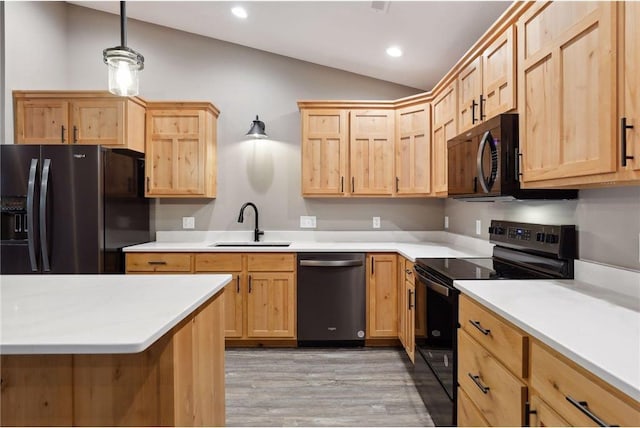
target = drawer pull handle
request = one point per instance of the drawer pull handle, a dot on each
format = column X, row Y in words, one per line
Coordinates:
column 157, row 262
column 584, row 408
column 476, row 380
column 477, row 325
column 238, row 284
column 408, row 272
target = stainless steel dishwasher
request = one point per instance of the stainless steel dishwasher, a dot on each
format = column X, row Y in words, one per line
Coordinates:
column 331, row 299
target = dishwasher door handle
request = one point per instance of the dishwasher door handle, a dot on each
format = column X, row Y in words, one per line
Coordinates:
column 330, row 263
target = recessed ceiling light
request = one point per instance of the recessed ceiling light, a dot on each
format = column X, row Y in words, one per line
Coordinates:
column 240, row 12
column 394, row 51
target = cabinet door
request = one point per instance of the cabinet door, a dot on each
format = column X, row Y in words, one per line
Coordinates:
column 382, row 296
column 631, row 81
column 271, row 305
column 371, row 152
column 469, row 91
column 499, row 75
column 444, row 128
column 175, row 152
column 413, row 150
column 402, row 303
column 41, row 121
column 566, row 72
column 233, row 306
column 542, row 415
column 410, row 327
column 97, row 122
column 324, row 152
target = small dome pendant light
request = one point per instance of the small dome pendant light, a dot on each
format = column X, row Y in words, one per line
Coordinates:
column 124, row 63
column 257, row 129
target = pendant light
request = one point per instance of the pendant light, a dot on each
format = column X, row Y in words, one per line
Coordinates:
column 257, row 129
column 124, row 63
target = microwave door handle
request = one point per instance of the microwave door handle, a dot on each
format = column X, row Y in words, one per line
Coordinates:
column 480, row 167
column 31, row 190
column 44, row 190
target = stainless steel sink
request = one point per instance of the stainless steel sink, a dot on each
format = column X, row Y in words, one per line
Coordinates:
column 251, row 244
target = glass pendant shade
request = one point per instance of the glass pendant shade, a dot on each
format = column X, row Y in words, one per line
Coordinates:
column 124, row 68
column 257, row 129
column 124, row 63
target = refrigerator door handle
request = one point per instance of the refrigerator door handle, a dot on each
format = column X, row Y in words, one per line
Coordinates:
column 44, row 190
column 31, row 190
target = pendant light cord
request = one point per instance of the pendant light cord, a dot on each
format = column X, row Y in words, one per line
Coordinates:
column 123, row 26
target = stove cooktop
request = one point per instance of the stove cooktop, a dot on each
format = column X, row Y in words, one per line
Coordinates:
column 476, row 268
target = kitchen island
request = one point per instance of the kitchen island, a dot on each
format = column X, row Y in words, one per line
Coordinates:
column 112, row 350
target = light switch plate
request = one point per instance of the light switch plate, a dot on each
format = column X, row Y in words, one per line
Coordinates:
column 376, row 222
column 188, row 222
column 446, row 222
column 307, row 221
column 478, row 227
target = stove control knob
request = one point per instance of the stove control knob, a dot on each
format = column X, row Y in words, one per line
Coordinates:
column 551, row 239
column 492, row 229
column 540, row 237
column 499, row 230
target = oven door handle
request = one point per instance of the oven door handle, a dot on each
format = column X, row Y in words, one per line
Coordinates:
column 438, row 288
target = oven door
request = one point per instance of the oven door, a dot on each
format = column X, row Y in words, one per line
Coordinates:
column 436, row 346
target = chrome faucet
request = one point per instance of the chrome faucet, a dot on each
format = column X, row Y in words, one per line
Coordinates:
column 256, row 232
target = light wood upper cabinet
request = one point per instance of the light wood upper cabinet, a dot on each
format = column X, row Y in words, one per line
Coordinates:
column 181, row 150
column 382, row 296
column 445, row 114
column 566, row 77
column 371, row 151
column 325, row 136
column 469, row 95
column 413, row 150
column 499, row 75
column 486, row 86
column 629, row 63
column 79, row 117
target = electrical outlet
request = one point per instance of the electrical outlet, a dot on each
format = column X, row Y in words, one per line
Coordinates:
column 446, row 222
column 478, row 227
column 307, row 221
column 376, row 222
column 188, row 222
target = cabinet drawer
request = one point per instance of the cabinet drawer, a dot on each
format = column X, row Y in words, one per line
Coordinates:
column 285, row 262
column 408, row 271
column 468, row 413
column 544, row 416
column 227, row 262
column 498, row 394
column 158, row 262
column 504, row 341
column 557, row 379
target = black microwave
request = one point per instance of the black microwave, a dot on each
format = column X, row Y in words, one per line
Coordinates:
column 483, row 164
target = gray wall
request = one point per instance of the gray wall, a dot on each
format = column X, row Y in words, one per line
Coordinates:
column 36, row 55
column 607, row 220
column 241, row 82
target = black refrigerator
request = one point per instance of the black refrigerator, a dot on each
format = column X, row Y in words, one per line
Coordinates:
column 70, row 209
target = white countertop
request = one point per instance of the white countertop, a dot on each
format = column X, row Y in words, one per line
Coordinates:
column 96, row 314
column 598, row 328
column 411, row 250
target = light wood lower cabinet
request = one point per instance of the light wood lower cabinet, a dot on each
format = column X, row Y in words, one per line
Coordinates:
column 382, row 296
column 468, row 414
column 498, row 394
column 406, row 306
column 260, row 302
column 178, row 381
column 541, row 415
column 573, row 392
column 159, row 263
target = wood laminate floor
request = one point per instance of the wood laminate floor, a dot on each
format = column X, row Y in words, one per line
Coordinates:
column 321, row 387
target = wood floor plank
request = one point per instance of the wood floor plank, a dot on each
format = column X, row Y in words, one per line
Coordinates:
column 321, row 387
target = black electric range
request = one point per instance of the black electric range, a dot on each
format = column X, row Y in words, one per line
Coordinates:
column 522, row 251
